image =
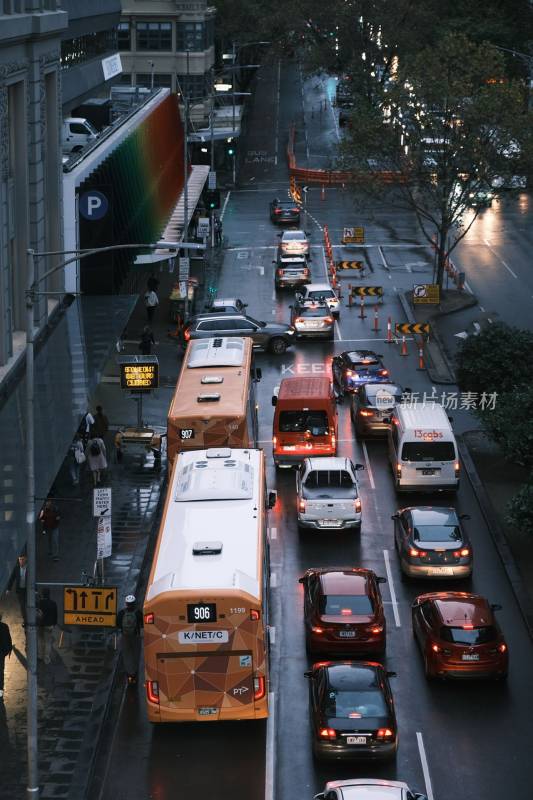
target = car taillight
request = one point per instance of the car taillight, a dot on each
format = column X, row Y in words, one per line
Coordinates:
column 357, row 506
column 414, row 553
column 255, row 614
column 502, row 648
column 277, row 211
column 363, row 412
column 301, row 506
column 298, row 320
column 383, row 372
column 280, row 272
column 461, row 553
column 457, row 468
column 398, row 470
column 328, row 320
column 346, row 612
column 296, row 210
column 435, row 648
column 274, row 441
column 376, row 629
column 187, row 334
column 149, row 618
column 259, row 687
column 317, row 629
column 348, row 373
column 152, row 691
column 384, row 733
column 327, row 733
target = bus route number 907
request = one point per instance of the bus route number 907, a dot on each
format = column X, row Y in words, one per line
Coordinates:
column 201, row 612
column 186, row 433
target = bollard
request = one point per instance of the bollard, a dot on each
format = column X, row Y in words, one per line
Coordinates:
column 376, row 320
column 403, row 351
column 421, row 357
column 362, row 314
column 389, row 339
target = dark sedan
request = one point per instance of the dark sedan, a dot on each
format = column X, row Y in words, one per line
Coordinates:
column 284, row 211
column 371, row 406
column 353, row 368
column 432, row 543
column 352, row 711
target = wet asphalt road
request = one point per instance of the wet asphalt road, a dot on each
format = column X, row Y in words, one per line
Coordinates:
column 456, row 740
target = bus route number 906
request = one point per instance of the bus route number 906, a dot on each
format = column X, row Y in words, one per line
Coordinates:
column 201, row 612
column 186, row 433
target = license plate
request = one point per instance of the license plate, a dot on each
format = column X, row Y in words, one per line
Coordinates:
column 428, row 472
column 356, row 740
column 207, row 711
column 347, row 634
column 330, row 523
column 289, row 447
column 440, row 571
column 470, row 657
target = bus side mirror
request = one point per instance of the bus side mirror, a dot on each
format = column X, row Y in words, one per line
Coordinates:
column 274, row 400
column 380, row 579
column 496, row 606
column 450, row 419
column 395, row 516
column 257, row 373
column 319, row 796
column 308, row 673
column 464, row 516
column 359, row 466
column 272, row 498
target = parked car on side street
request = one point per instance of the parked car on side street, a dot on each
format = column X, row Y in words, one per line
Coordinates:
column 272, row 336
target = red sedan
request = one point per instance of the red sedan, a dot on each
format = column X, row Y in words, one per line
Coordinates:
column 343, row 612
column 459, row 636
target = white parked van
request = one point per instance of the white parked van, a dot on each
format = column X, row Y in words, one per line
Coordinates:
column 422, row 449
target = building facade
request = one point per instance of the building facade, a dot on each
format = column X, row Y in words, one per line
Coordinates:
column 168, row 43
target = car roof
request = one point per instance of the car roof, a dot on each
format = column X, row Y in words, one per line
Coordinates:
column 328, row 463
column 211, row 316
column 353, row 676
column 369, row 791
column 428, row 515
column 318, row 287
column 345, row 582
column 456, row 608
column 225, row 301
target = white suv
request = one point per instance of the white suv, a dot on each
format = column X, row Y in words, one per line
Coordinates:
column 321, row 292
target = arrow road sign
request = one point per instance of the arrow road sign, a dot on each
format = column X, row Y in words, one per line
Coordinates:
column 415, row 327
column 95, row 606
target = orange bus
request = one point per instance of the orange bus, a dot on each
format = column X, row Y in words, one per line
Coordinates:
column 206, row 606
column 214, row 403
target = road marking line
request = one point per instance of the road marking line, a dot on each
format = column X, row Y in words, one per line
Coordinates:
column 258, row 247
column 468, row 287
column 494, row 253
column 383, row 259
column 272, row 634
column 274, row 580
column 368, row 467
column 482, row 309
column 273, row 533
column 270, row 748
column 338, row 331
column 392, row 590
column 225, row 204
column 273, row 294
column 425, row 767
column 261, row 270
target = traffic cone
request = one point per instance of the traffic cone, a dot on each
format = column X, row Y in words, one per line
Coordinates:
column 389, row 339
column 421, row 357
column 362, row 309
column 403, row 351
column 376, row 320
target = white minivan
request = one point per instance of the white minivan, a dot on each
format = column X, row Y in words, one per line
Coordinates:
column 422, row 449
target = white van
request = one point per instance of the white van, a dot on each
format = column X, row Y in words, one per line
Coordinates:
column 422, row 449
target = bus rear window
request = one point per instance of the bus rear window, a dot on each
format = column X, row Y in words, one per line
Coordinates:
column 300, row 421
column 428, row 451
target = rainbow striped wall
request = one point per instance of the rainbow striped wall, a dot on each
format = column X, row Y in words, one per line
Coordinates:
column 142, row 179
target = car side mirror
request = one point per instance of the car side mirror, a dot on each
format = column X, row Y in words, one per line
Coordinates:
column 257, row 373
column 308, row 673
column 408, row 390
column 274, row 262
column 359, row 466
column 381, row 579
column 450, row 419
column 320, row 796
column 261, row 322
column 279, row 235
column 395, row 516
column 302, row 579
column 298, row 296
column 496, row 606
column 274, row 400
column 379, row 355
column 391, row 674
column 307, row 233
column 464, row 516
column 272, row 498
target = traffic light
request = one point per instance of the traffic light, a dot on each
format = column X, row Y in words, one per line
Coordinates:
column 212, row 198
column 230, row 147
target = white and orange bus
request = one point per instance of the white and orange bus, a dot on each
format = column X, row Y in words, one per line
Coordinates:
column 214, row 403
column 206, row 605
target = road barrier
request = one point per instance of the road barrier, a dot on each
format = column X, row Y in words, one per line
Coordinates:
column 368, row 291
column 421, row 328
column 359, row 265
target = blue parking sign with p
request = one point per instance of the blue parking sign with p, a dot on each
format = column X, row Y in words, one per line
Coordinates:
column 93, row 205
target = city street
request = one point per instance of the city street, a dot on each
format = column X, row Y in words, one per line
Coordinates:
column 456, row 739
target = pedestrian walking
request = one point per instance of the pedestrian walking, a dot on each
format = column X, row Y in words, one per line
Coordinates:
column 19, row 581
column 85, row 427
column 76, row 459
column 147, row 340
column 96, row 455
column 151, row 301
column 49, row 518
column 100, row 426
column 218, row 230
column 152, row 284
column 130, row 623
column 6, row 646
column 46, row 622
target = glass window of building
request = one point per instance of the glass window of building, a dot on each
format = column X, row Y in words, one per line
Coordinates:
column 191, row 36
column 160, row 80
column 154, row 36
column 124, row 36
column 193, row 86
column 125, row 78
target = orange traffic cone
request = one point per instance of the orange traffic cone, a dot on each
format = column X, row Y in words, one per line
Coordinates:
column 421, row 357
column 389, row 339
column 376, row 320
column 403, row 351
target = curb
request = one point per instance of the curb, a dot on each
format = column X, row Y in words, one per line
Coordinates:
column 524, row 601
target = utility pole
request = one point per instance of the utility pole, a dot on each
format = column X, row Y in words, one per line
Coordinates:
column 212, row 136
column 233, row 57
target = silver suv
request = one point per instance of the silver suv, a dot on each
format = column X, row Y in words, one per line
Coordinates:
column 273, row 336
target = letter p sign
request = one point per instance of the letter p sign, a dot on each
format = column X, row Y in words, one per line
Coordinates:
column 93, row 205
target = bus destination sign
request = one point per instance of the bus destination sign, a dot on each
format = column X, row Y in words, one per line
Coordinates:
column 139, row 373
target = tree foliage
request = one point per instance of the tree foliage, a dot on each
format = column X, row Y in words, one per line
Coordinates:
column 520, row 510
column 510, row 423
column 499, row 359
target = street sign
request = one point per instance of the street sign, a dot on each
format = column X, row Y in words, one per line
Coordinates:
column 203, row 227
column 183, row 289
column 212, row 180
column 139, row 373
column 104, row 538
column 367, row 291
column 426, row 293
column 353, row 236
column 102, row 501
column 90, row 605
column 183, row 268
column 413, row 327
column 350, row 265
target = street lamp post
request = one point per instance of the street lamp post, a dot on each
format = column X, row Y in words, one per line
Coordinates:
column 32, row 789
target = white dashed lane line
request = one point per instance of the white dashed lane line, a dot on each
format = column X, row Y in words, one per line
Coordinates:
column 392, row 590
column 368, row 466
column 425, row 766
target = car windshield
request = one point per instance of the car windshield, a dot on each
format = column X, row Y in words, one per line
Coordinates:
column 313, row 311
column 428, row 451
column 299, row 421
column 316, row 295
column 290, row 236
column 322, row 478
column 469, row 636
column 354, row 705
column 437, row 533
column 344, row 605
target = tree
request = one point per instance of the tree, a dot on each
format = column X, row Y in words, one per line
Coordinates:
column 448, row 125
column 499, row 359
column 500, row 421
column 520, row 510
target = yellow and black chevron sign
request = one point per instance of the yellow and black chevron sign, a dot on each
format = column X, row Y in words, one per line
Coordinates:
column 367, row 291
column 414, row 327
column 349, row 265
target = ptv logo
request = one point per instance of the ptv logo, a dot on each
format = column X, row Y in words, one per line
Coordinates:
column 238, row 691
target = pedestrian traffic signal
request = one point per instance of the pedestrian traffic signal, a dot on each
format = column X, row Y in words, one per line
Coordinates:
column 212, row 197
column 231, row 150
